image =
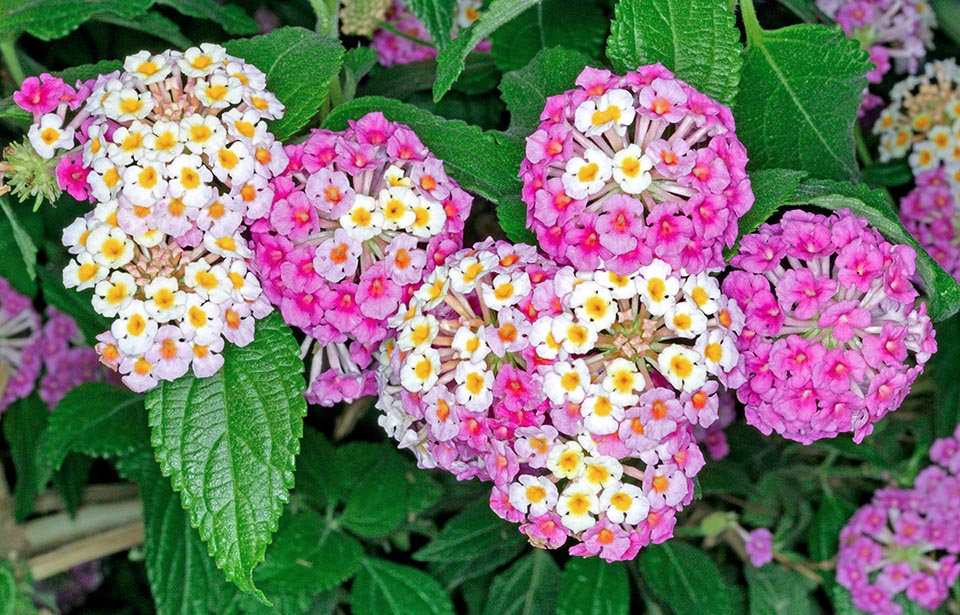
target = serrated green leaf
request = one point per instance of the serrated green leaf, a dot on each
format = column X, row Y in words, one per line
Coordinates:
column 299, row 65
column 450, row 61
column 28, row 250
column 385, row 588
column 771, row 189
column 512, row 214
column 357, row 62
column 525, row 91
column 183, row 578
column 469, row 536
column 50, row 19
column 384, row 488
column 576, row 26
column 799, row 93
column 70, row 480
column 23, row 423
column 72, row 303
column 685, row 579
column 779, row 591
column 942, row 289
column 228, row 443
column 590, row 586
column 230, row 17
column 96, row 419
column 697, row 39
column 437, row 16
column 528, row 587
column 13, row 268
column 151, row 23
column 474, row 158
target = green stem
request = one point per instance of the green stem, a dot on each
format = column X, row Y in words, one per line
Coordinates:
column 750, row 23
column 862, row 150
column 389, row 26
column 9, row 53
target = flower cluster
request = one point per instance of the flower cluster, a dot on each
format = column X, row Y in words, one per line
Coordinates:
column 906, row 540
column 176, row 154
column 359, row 218
column 20, row 354
column 922, row 122
column 623, row 170
column 415, row 43
column 575, row 393
column 834, row 334
column 930, row 214
column 897, row 30
column 67, row 361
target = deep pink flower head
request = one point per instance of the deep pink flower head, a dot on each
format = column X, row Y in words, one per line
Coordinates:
column 628, row 169
column 835, row 333
column 20, row 355
column 928, row 211
column 759, row 545
column 417, row 46
column 575, row 392
column 40, row 95
column 356, row 225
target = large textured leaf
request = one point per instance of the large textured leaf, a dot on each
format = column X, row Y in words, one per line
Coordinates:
column 385, row 588
column 28, row 250
column 450, row 61
column 471, row 535
column 590, row 586
column 13, row 268
column 299, row 65
column 183, row 578
column 697, row 39
column 23, row 423
column 525, row 91
column 948, row 17
column 577, row 26
column 228, row 16
column 799, row 93
column 96, row 419
column 471, row 156
column 685, row 579
column 512, row 215
column 779, row 591
column 50, row 19
column 437, row 17
column 528, row 587
column 228, row 443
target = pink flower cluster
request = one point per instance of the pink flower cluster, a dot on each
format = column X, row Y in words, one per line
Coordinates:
column 20, row 354
column 627, row 169
column 834, row 334
column 928, row 212
column 574, row 392
column 897, row 30
column 906, row 540
column 358, row 219
column 67, row 361
column 393, row 48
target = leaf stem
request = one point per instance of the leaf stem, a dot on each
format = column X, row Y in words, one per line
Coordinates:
column 9, row 53
column 750, row 23
column 862, row 150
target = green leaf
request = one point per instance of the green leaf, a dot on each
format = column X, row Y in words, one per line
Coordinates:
column 525, row 91
column 824, row 537
column 228, row 443
column 28, row 250
column 779, row 591
column 804, row 9
column 183, row 578
column 697, row 39
column 685, row 579
column 384, row 487
column 470, row 535
column 437, row 17
column 230, row 17
column 896, row 173
column 528, row 587
column 948, row 17
column 942, row 289
column 96, row 419
column 450, row 61
column 385, row 588
column 50, row 19
column 512, row 214
column 151, row 23
column 474, row 158
column 591, row 586
column 23, row 423
column 576, row 26
column 71, row 479
column 299, row 65
column 946, row 376
column 8, row 590
column 14, row 268
column 799, row 93
column 72, row 303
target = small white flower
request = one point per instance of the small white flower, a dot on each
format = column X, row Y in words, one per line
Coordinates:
column 566, row 460
column 621, row 379
column 682, row 368
column 48, row 135
column 420, row 370
column 613, row 109
column 587, row 176
column 624, row 503
column 595, row 304
column 631, row 169
column 576, row 506
column 685, row 319
column 506, row 289
column 364, row 221
column 658, row 287
column 534, row 493
column 475, row 390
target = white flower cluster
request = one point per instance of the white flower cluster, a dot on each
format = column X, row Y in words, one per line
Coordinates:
column 180, row 160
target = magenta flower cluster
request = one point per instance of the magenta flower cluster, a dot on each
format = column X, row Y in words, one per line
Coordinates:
column 574, row 392
column 358, row 218
column 928, row 211
column 20, row 357
column 67, row 361
column 906, row 541
column 627, row 169
column 834, row 335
